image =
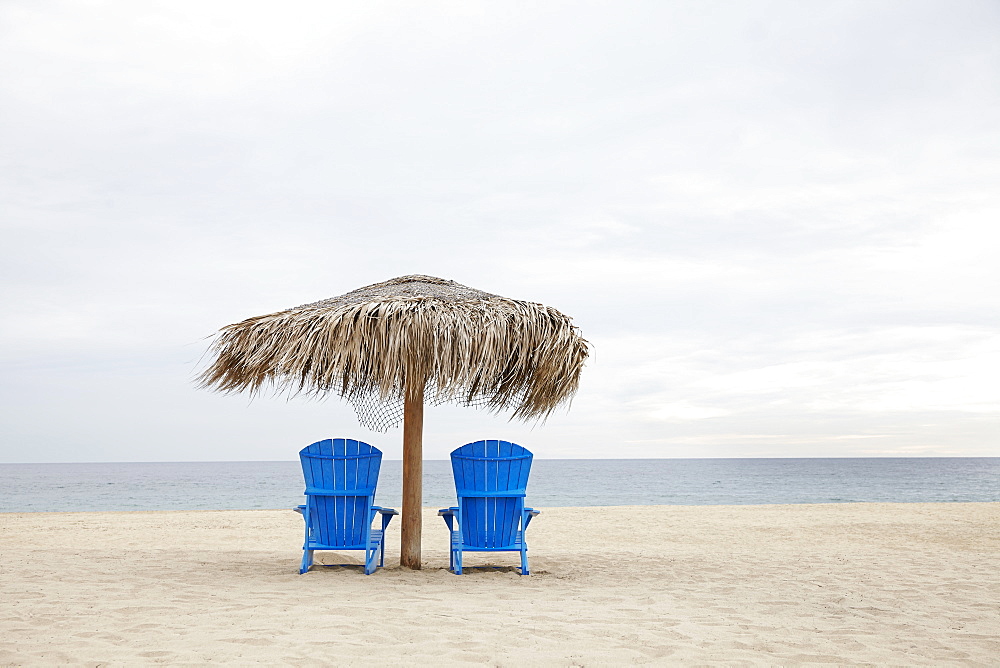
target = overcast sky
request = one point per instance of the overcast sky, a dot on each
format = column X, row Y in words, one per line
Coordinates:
column 777, row 223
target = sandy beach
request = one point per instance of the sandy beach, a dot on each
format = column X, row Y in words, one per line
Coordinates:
column 900, row 584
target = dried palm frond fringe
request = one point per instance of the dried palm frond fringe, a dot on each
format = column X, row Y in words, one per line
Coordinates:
column 464, row 345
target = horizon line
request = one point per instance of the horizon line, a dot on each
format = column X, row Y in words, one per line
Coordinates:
column 604, row 459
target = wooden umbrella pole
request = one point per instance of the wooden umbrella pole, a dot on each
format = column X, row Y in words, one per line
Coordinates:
column 413, row 472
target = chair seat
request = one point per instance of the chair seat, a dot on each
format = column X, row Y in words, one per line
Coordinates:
column 373, row 543
column 456, row 544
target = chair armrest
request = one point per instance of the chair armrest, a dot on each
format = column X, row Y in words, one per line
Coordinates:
column 449, row 515
column 532, row 511
column 529, row 513
column 301, row 510
column 387, row 515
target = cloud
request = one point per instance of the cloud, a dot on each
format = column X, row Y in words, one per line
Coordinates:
column 776, row 223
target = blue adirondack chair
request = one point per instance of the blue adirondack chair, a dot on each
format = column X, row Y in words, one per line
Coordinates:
column 341, row 475
column 490, row 481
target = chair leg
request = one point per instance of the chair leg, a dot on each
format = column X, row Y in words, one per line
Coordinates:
column 458, row 561
column 307, row 560
column 524, row 555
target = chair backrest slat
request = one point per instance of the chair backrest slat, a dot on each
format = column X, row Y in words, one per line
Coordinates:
column 491, row 479
column 340, row 465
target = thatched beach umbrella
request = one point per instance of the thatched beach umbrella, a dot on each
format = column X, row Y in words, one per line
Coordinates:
column 388, row 347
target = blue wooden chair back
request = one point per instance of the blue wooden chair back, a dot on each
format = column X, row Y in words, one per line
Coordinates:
column 341, row 475
column 490, row 480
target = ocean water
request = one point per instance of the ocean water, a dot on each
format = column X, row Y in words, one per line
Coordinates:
column 553, row 482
